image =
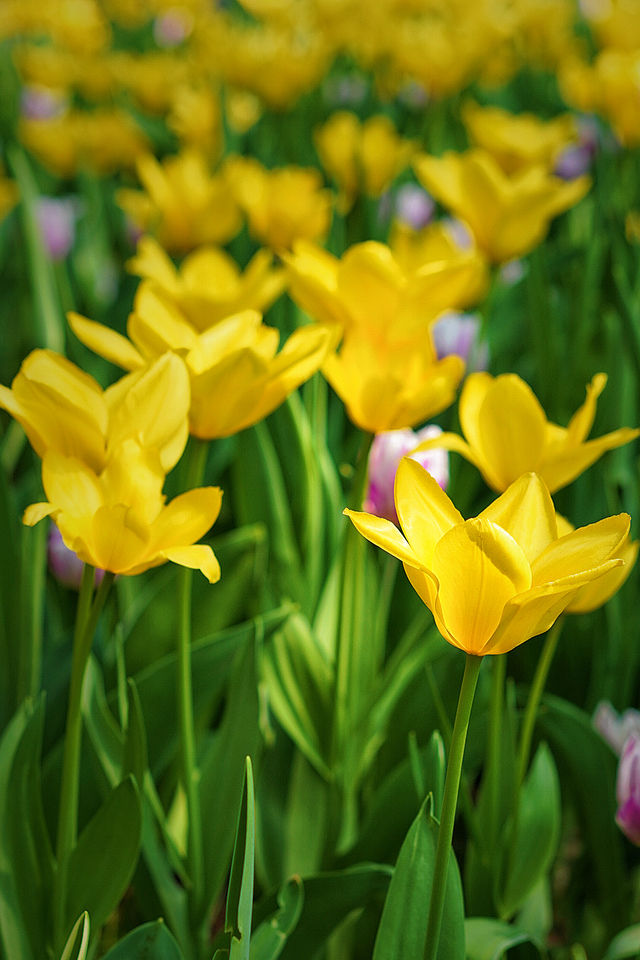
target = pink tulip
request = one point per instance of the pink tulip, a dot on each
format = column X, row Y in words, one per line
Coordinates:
column 386, row 453
column 628, row 789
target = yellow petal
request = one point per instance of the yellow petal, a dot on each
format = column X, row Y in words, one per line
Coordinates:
column 157, row 325
column 453, row 443
column 71, row 485
column 224, row 396
column 598, row 591
column 511, row 425
column 187, row 518
column 426, row 586
column 479, row 567
column 36, row 512
column 197, row 557
column 560, row 466
column 582, row 420
column 424, row 510
column 528, row 615
column 152, row 263
column 383, row 534
column 105, row 342
column 526, row 511
column 369, row 284
column 581, row 552
column 151, row 406
column 115, row 544
column 472, row 397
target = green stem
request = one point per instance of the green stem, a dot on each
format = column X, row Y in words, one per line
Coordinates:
column 449, row 804
column 496, row 714
column 34, row 544
column 188, row 760
column 86, row 622
column 535, row 695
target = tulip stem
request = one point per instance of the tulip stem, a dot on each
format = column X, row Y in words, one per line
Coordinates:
column 188, row 758
column 496, row 715
column 449, row 804
column 535, row 695
column 86, row 621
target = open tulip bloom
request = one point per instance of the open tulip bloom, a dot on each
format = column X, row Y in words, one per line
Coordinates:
column 507, row 433
column 494, row 581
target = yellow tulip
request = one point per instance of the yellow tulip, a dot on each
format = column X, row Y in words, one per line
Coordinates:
column 495, row 581
column 359, row 156
column 209, row 285
column 183, row 203
column 65, row 410
column 509, row 216
column 237, row 376
column 518, row 141
column 282, row 205
column 117, row 520
column 595, row 594
column 386, row 370
column 507, row 432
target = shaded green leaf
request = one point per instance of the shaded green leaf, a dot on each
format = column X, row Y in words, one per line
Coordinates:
column 269, row 938
column 151, row 941
column 489, row 939
column 78, row 943
column 625, row 945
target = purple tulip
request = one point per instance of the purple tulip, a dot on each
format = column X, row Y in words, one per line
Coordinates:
column 413, row 205
column 459, row 333
column 65, row 565
column 41, row 103
column 628, row 789
column 172, row 28
column 386, row 453
column 615, row 728
column 57, row 219
column 574, row 161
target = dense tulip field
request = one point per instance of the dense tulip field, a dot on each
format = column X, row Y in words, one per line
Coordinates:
column 295, row 294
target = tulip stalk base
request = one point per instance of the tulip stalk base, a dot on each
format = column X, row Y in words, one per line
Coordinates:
column 449, row 804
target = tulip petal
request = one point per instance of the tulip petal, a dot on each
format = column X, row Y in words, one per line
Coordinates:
column 479, row 567
column 187, row 518
column 526, row 511
column 36, row 512
column 114, row 544
column 512, row 444
column 563, row 466
column 472, row 397
column 383, row 534
column 582, row 420
column 157, row 325
column 369, row 285
column 581, row 552
column 426, row 586
column 528, row 615
column 197, row 557
column 453, row 443
column 105, row 342
column 598, row 591
column 71, row 485
column 425, row 511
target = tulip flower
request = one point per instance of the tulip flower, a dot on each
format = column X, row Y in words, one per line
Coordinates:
column 615, row 728
column 182, row 203
column 459, row 333
column 507, row 433
column 518, row 141
column 495, row 581
column 63, row 409
column 237, row 374
column 282, row 205
column 386, row 452
column 209, row 284
column 117, row 519
column 628, row 790
column 361, row 157
column 509, row 216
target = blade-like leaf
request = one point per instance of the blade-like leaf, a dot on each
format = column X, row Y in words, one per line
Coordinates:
column 151, row 941
column 78, row 943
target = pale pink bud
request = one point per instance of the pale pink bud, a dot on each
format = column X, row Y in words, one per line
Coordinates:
column 57, row 220
column 65, row 565
column 574, row 161
column 616, row 728
column 172, row 28
column 628, row 790
column 42, row 103
column 387, row 451
column 414, row 206
column 459, row 334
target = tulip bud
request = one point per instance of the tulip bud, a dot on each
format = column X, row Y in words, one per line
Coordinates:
column 414, row 207
column 616, row 728
column 574, row 161
column 57, row 219
column 459, row 333
column 65, row 565
column 628, row 790
column 387, row 451
column 172, row 28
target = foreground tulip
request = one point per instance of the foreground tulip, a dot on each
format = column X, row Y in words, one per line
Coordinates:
column 509, row 216
column 507, row 433
column 596, row 594
column 499, row 579
column 117, row 519
column 61, row 408
column 628, row 790
column 237, row 374
column 209, row 285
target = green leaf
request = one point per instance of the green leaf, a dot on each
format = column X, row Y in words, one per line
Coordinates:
column 223, row 770
column 151, row 941
column 104, row 858
column 588, row 771
column 135, row 759
column 538, row 832
column 625, row 944
column 73, row 949
column 26, row 860
column 328, row 899
column 489, row 939
column 299, row 681
column 403, row 925
column 239, row 906
column 269, row 939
